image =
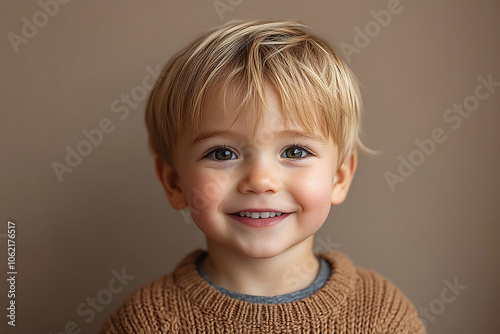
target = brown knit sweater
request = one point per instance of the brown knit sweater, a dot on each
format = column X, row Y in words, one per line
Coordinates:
column 352, row 301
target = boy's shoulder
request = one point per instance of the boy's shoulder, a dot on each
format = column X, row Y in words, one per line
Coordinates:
column 147, row 310
column 179, row 300
column 383, row 302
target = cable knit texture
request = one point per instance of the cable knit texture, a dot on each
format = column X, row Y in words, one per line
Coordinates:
column 352, row 301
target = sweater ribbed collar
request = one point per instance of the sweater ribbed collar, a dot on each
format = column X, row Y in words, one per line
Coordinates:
column 327, row 301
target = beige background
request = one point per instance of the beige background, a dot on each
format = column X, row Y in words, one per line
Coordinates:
column 441, row 224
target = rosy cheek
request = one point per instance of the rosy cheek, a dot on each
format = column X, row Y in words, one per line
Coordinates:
column 315, row 198
column 205, row 191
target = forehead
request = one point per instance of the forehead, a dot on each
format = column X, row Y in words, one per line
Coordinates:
column 223, row 108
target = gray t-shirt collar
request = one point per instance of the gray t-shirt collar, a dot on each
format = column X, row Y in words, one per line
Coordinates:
column 323, row 275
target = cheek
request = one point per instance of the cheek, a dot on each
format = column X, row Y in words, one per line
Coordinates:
column 205, row 190
column 314, row 194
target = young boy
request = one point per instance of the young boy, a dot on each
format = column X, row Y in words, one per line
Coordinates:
column 254, row 127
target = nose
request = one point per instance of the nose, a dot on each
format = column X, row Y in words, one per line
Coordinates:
column 259, row 177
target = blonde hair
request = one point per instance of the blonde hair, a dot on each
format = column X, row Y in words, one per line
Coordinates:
column 314, row 84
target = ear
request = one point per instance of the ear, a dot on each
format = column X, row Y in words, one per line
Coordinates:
column 169, row 179
column 343, row 178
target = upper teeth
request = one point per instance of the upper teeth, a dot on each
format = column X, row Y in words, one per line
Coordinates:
column 256, row 215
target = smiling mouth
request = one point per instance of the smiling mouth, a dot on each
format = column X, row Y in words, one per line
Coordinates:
column 258, row 215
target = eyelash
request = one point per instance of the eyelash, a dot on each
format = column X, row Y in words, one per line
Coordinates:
column 306, row 148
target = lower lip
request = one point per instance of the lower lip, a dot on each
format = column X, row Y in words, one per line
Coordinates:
column 260, row 222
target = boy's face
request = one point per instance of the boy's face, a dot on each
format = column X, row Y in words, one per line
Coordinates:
column 224, row 170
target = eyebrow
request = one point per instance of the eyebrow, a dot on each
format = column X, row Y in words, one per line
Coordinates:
column 204, row 135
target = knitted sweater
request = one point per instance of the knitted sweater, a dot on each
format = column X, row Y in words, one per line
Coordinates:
column 352, row 301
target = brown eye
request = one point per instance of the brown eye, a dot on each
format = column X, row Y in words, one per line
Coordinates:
column 221, row 154
column 295, row 152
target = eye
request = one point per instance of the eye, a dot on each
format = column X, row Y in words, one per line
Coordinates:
column 221, row 154
column 296, row 152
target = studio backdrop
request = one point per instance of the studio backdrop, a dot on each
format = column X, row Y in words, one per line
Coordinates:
column 84, row 221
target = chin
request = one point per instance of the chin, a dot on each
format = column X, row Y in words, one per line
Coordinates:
column 261, row 252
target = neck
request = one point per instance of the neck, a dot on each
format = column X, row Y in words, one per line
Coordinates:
column 292, row 270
